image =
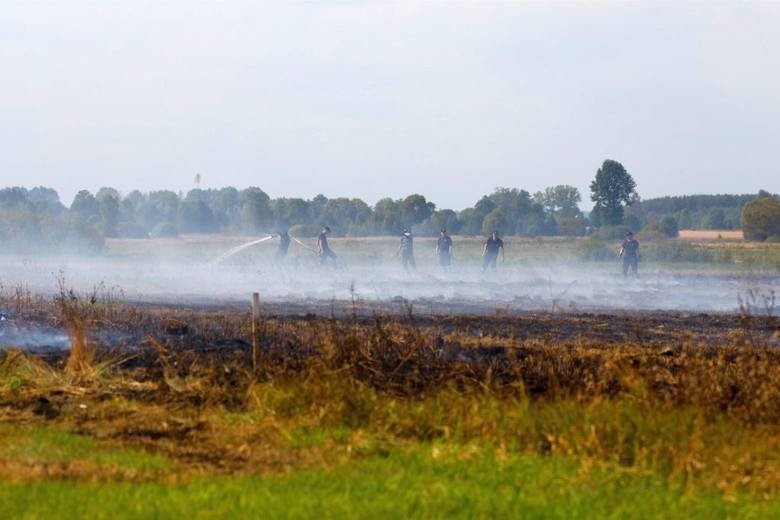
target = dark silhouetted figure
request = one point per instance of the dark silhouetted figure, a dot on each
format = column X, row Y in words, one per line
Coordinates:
column 444, row 249
column 629, row 252
column 493, row 246
column 323, row 250
column 406, row 250
column 284, row 246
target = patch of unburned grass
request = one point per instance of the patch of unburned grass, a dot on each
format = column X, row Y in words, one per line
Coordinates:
column 679, row 443
column 429, row 481
column 39, row 452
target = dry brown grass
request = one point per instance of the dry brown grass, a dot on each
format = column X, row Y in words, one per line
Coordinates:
column 695, row 396
column 711, row 234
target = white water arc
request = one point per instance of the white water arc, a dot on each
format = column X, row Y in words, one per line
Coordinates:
column 230, row 252
column 304, row 245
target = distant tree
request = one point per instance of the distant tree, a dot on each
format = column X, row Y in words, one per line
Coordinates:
column 695, row 203
column 288, row 212
column 163, row 205
column 195, row 217
column 346, row 215
column 414, row 209
column 715, row 218
column 485, row 205
column 685, row 220
column 387, row 216
column 611, row 190
column 494, row 221
column 634, row 216
column 668, row 226
column 337, row 214
column 256, row 212
column 444, row 219
column 198, row 194
column 517, row 206
column 107, row 192
column 560, row 204
column 226, row 206
column 470, row 221
column 761, row 219
column 85, row 207
column 108, row 203
column 14, row 198
column 129, row 212
column 317, row 206
column 536, row 222
column 361, row 218
column 561, row 200
column 144, row 212
column 133, row 200
column 632, row 222
column 45, row 200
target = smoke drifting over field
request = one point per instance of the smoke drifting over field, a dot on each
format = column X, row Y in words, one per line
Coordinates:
column 378, row 280
column 32, row 336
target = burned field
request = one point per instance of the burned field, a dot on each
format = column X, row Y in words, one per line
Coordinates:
column 688, row 400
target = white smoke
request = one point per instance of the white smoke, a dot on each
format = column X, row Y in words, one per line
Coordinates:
column 372, row 278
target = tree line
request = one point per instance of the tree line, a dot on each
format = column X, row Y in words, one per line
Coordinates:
column 36, row 217
column 694, row 211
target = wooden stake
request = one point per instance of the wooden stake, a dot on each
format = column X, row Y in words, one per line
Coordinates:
column 255, row 338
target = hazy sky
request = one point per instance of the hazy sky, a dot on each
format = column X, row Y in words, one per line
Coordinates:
column 373, row 99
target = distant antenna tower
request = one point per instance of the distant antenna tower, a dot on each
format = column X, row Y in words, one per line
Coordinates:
column 197, row 180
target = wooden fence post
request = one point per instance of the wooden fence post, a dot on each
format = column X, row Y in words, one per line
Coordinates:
column 255, row 338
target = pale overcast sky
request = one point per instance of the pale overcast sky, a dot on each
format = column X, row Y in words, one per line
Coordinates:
column 373, row 99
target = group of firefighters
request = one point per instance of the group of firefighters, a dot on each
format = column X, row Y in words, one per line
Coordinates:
column 491, row 249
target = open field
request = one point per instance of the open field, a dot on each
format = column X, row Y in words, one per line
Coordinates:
column 538, row 275
column 550, row 388
column 157, row 411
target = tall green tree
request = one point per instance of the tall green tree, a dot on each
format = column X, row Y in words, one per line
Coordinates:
column 612, row 189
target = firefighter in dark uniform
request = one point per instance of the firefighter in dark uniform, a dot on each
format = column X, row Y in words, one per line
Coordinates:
column 406, row 250
column 629, row 252
column 444, row 249
column 493, row 245
column 323, row 249
column 284, row 246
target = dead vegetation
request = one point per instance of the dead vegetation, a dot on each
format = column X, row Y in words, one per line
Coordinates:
column 636, row 389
